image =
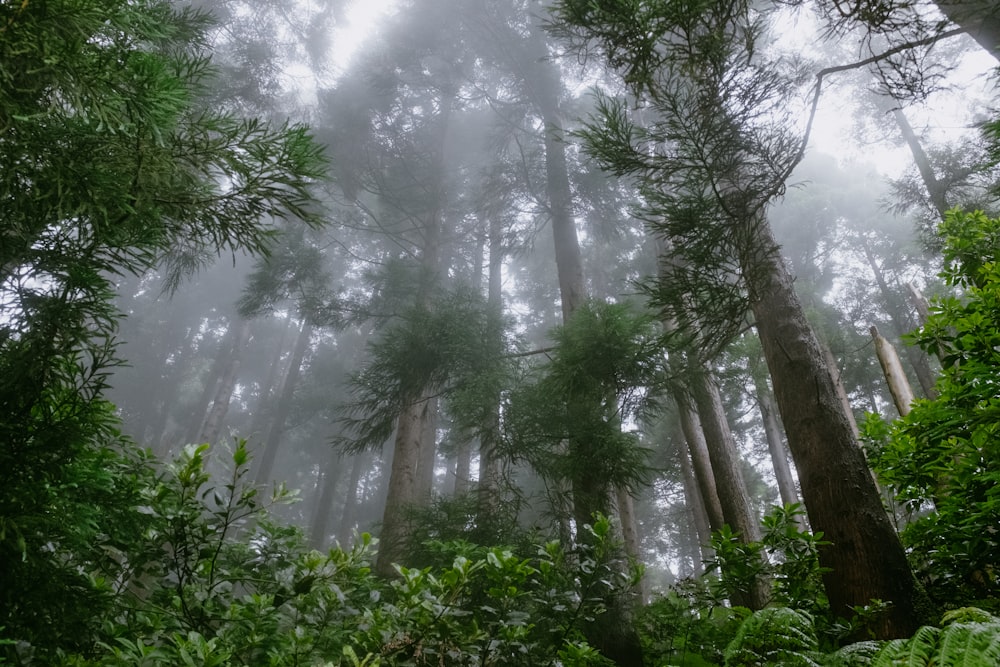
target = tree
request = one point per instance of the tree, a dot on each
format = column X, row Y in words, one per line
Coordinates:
column 714, row 157
column 108, row 166
column 945, row 450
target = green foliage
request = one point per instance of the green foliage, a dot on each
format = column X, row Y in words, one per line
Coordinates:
column 945, row 452
column 959, row 642
column 681, row 628
column 786, row 555
column 454, row 346
column 108, row 165
column 602, row 370
column 774, row 636
column 211, row 581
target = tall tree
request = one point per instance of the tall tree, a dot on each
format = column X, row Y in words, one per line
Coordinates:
column 717, row 155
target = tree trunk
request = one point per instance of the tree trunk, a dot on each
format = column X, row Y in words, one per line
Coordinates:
column 319, row 531
column 395, row 535
column 729, row 483
column 489, row 463
column 345, row 533
column 630, row 533
column 272, row 444
column 696, row 505
column 917, row 357
column 979, row 18
column 776, row 446
column 935, row 189
column 892, row 369
column 212, row 425
column 865, row 557
column 211, row 384
column 463, row 468
column 428, row 453
column 263, row 409
column 695, row 436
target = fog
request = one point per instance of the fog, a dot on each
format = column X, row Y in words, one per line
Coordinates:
column 458, row 179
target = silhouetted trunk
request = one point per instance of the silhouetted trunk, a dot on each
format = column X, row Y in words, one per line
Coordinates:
column 272, row 444
column 264, row 407
column 979, row 18
column 168, row 396
column 212, row 425
column 489, row 463
column 936, row 190
column 345, row 533
column 463, row 468
column 211, row 383
column 319, row 531
column 696, row 506
column 865, row 557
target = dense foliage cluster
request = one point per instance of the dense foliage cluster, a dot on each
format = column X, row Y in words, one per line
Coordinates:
column 941, row 459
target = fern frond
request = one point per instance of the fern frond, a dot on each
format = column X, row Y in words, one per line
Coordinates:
column 774, row 636
column 859, row 654
column 917, row 651
column 970, row 645
column 959, row 644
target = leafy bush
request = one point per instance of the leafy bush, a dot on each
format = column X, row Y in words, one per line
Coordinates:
column 212, row 581
column 945, row 452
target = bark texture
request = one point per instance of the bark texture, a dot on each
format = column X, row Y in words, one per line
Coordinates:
column 865, row 557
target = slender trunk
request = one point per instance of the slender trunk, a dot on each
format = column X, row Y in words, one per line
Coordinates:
column 865, row 558
column 264, row 409
column 211, row 384
column 158, row 433
column 489, row 463
column 700, row 461
column 428, row 453
column 212, row 426
column 630, row 533
column 463, row 468
column 935, row 189
column 776, row 446
column 729, row 482
column 917, row 357
column 345, row 533
column 919, row 302
column 696, row 506
column 319, row 530
column 892, row 369
column 272, row 444
column 833, row 368
column 616, row 638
